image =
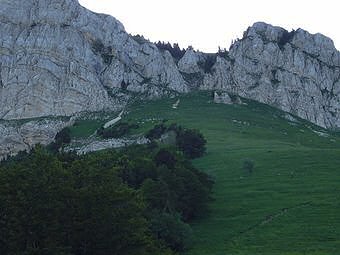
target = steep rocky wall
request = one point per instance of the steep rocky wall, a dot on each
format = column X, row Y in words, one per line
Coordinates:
column 295, row 71
column 57, row 58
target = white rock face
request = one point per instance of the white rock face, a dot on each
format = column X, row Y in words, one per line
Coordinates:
column 189, row 62
column 221, row 75
column 23, row 137
column 57, row 58
column 296, row 72
column 90, row 146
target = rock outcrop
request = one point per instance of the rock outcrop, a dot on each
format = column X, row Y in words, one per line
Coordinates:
column 189, row 63
column 95, row 145
column 15, row 137
column 295, row 71
column 222, row 97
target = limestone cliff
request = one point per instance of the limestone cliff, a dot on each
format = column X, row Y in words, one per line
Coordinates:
column 57, row 58
column 295, row 71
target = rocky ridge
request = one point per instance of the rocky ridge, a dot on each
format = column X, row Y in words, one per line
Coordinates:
column 295, row 71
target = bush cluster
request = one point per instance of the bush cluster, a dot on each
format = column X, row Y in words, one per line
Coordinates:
column 190, row 141
column 175, row 51
column 62, row 137
column 116, row 131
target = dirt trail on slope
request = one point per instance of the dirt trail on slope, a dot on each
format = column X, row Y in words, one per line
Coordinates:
column 270, row 218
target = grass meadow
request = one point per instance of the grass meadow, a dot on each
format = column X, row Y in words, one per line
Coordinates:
column 288, row 204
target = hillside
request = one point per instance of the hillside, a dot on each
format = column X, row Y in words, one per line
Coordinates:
column 291, row 196
column 288, row 204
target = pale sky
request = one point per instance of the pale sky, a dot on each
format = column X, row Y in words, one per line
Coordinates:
column 208, row 24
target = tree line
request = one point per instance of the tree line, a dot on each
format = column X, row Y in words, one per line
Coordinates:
column 176, row 52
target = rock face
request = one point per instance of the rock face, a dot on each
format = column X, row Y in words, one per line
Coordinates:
column 222, row 97
column 16, row 137
column 189, row 62
column 57, row 58
column 294, row 71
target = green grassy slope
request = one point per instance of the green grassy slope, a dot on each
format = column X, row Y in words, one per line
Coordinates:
column 289, row 204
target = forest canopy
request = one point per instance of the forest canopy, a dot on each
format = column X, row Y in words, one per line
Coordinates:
column 137, row 200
